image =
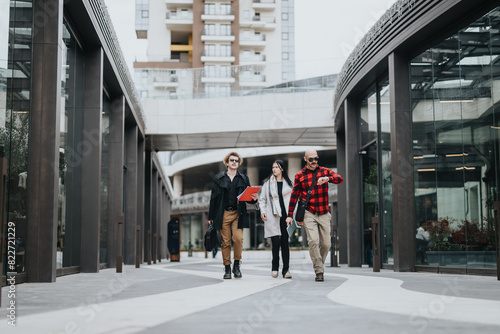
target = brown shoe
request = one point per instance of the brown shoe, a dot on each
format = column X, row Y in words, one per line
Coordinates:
column 319, row 277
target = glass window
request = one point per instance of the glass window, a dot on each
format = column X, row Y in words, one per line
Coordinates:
column 284, row 36
column 71, row 155
column 284, row 56
column 209, row 29
column 145, row 13
column 225, row 30
column 385, row 174
column 284, row 16
column 15, row 89
column 455, row 144
column 225, row 50
column 210, row 50
column 225, row 9
column 210, row 9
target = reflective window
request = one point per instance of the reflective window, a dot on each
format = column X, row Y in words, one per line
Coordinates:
column 15, row 90
column 70, row 153
column 455, row 87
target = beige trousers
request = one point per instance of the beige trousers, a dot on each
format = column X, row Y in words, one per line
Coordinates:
column 230, row 226
column 318, row 237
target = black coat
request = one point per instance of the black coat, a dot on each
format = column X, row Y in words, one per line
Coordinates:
column 218, row 198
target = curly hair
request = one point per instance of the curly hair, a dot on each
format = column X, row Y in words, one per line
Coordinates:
column 226, row 158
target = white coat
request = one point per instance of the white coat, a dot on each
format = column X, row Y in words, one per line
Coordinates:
column 272, row 225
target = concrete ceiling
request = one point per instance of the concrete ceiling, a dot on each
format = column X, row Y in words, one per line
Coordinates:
column 318, row 136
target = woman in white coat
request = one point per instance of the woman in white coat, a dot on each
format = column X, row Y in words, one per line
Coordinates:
column 273, row 201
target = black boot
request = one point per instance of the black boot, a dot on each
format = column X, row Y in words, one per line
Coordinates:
column 236, row 269
column 227, row 272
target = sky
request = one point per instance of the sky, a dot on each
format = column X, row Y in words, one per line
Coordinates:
column 326, row 31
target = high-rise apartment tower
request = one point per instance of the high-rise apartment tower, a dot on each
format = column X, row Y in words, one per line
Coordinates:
column 228, row 46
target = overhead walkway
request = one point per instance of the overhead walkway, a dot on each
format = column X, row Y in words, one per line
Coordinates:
column 277, row 116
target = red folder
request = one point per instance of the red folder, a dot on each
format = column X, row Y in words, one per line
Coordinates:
column 245, row 196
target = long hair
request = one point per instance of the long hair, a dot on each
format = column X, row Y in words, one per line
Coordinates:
column 280, row 163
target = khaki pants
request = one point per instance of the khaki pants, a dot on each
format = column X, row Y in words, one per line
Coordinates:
column 230, row 225
column 318, row 237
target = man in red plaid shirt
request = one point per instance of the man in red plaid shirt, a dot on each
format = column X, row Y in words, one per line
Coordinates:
column 317, row 217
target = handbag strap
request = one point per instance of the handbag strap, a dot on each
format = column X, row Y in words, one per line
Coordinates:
column 312, row 185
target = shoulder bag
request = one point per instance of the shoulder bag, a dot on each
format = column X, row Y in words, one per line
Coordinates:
column 302, row 205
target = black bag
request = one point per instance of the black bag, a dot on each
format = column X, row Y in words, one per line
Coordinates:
column 301, row 204
column 212, row 238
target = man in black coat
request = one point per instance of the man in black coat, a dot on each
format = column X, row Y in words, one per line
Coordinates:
column 228, row 214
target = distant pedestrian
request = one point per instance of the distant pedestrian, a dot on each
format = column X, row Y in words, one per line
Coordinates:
column 229, row 215
column 273, row 202
column 317, row 215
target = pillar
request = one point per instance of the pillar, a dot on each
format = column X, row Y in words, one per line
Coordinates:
column 141, row 202
column 341, row 211
column 178, row 189
column 131, row 184
column 352, row 185
column 115, row 179
column 91, row 163
column 403, row 208
column 43, row 161
column 294, row 165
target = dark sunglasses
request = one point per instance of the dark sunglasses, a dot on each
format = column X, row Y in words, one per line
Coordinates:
column 313, row 159
column 234, row 160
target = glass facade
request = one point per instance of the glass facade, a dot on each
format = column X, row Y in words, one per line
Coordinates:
column 454, row 87
column 103, row 233
column 15, row 77
column 375, row 159
column 70, row 152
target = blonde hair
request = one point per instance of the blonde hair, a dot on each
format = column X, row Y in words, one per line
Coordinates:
column 226, row 158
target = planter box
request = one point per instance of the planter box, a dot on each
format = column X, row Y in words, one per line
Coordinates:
column 476, row 259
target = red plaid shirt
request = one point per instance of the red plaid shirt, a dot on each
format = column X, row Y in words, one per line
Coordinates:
column 318, row 201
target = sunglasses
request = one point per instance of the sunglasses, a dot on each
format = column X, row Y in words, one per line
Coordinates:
column 313, row 159
column 234, row 160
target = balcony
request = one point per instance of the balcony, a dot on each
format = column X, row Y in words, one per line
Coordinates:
column 217, row 78
column 259, row 22
column 164, row 81
column 217, row 57
column 248, row 79
column 252, row 58
column 179, row 21
column 264, row 5
column 212, row 36
column 174, row 4
column 255, row 40
column 218, row 15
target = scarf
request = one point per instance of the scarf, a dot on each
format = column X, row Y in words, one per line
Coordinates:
column 273, row 192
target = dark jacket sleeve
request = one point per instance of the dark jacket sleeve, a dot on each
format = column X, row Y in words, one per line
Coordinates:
column 212, row 208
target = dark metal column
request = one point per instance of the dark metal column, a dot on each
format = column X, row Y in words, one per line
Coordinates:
column 141, row 146
column 154, row 212
column 131, row 135
column 341, row 207
column 148, row 171
column 352, row 185
column 43, row 163
column 403, row 209
column 91, row 163
column 115, row 182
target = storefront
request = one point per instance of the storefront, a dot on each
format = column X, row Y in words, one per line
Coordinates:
column 81, row 177
column 417, row 123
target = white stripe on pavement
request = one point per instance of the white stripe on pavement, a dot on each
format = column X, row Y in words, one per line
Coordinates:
column 137, row 314
column 386, row 295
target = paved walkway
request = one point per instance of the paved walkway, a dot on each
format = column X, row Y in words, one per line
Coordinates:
column 191, row 297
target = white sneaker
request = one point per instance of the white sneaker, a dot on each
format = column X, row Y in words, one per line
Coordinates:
column 287, row 275
column 274, row 274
